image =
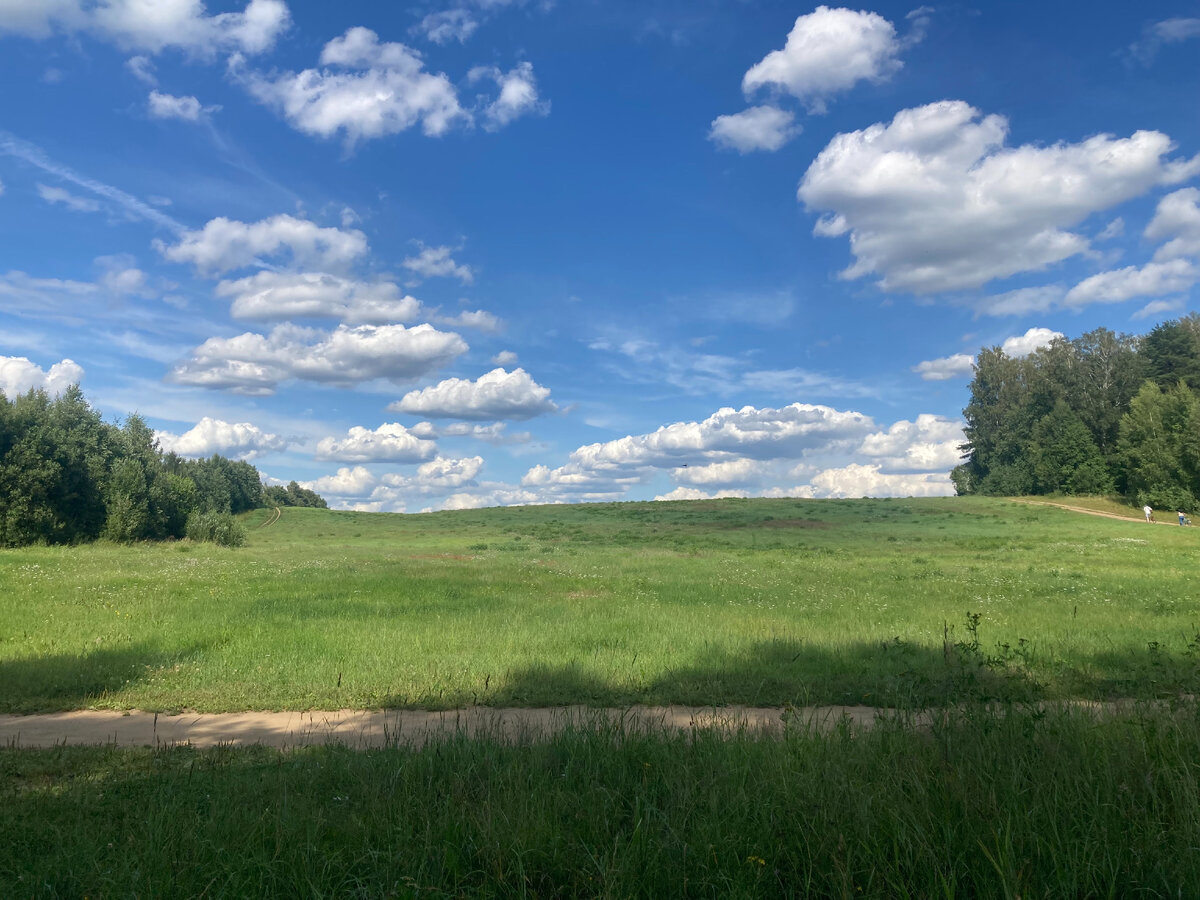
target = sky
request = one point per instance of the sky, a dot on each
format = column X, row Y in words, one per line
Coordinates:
column 459, row 253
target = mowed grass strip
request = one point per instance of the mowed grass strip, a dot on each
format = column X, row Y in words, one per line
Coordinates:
column 761, row 602
column 1013, row 803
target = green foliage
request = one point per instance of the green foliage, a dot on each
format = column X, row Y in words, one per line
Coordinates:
column 1160, row 446
column 293, row 495
column 1172, row 352
column 66, row 476
column 215, row 528
column 1065, row 458
column 1062, row 420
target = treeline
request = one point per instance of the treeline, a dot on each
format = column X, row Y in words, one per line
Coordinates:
column 67, row 476
column 293, row 495
column 1103, row 413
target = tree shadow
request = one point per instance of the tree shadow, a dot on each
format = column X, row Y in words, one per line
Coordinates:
column 73, row 680
column 891, row 673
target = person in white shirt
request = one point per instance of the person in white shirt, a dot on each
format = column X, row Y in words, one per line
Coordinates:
column 1149, row 512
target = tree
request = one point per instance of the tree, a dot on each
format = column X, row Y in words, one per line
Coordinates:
column 1064, row 457
column 1110, row 371
column 1172, row 354
column 1160, row 446
column 1000, row 417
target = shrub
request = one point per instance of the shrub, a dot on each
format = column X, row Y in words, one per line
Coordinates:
column 1168, row 497
column 215, row 528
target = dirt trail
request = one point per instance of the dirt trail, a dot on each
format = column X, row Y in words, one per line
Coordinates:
column 360, row 729
column 1096, row 512
column 376, row 728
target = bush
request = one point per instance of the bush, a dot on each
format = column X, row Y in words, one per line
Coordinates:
column 215, row 528
column 1168, row 497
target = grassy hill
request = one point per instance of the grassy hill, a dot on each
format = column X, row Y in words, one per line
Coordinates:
column 718, row 602
column 905, row 602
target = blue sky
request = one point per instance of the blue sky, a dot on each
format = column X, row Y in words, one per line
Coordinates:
column 476, row 252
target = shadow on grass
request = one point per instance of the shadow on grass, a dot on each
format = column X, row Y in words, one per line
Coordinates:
column 74, row 680
column 891, row 673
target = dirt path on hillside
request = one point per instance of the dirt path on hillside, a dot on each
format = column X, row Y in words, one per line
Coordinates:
column 358, row 728
column 1096, row 512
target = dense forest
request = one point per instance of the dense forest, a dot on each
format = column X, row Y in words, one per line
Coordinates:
column 1103, row 413
column 67, row 476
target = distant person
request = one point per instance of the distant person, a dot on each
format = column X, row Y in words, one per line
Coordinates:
column 1149, row 512
column 1182, row 518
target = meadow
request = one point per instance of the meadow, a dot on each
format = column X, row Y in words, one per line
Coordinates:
column 982, row 608
column 759, row 602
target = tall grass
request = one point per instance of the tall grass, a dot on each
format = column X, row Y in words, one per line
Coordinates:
column 738, row 601
column 1009, row 803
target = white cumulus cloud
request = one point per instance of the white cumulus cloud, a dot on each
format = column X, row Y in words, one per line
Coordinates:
column 935, row 201
column 829, row 51
column 957, row 366
column 19, row 376
column 288, row 295
column 153, row 25
column 518, row 95
column 435, row 262
column 1033, row 339
column 347, row 482
column 1151, row 280
column 225, row 244
column 255, row 364
column 239, row 440
column 691, row 493
column 857, row 480
column 499, row 394
column 1177, row 218
column 929, row 443
column 730, row 471
column 367, row 89
column 757, row 128
column 763, row 453
column 390, row 442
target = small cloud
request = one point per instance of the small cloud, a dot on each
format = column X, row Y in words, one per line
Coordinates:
column 1033, row 339
column 54, row 195
column 1159, row 307
column 167, row 106
column 957, row 366
column 505, row 358
column 142, row 69
column 757, row 128
column 518, row 94
column 1158, row 34
column 436, row 262
column 1113, row 229
column 479, row 319
column 446, row 26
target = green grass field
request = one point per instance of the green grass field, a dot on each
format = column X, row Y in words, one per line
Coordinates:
column 977, row 605
column 736, row 601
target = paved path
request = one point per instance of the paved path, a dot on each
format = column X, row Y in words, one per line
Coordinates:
column 375, row 728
